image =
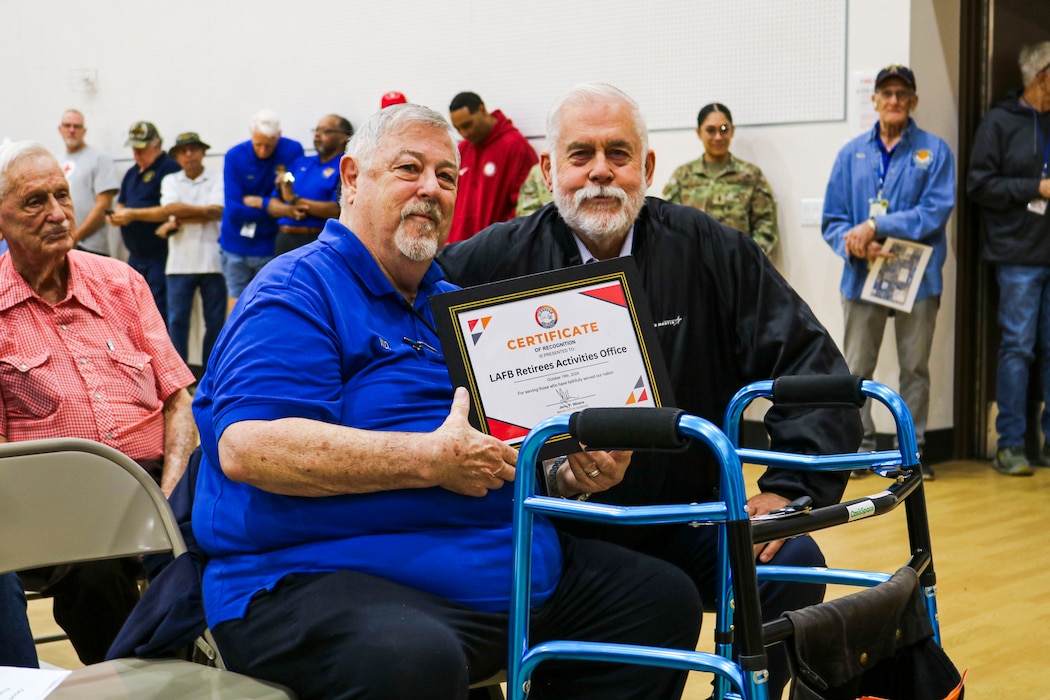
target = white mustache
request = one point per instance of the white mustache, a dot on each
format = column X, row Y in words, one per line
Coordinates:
column 594, row 191
column 428, row 209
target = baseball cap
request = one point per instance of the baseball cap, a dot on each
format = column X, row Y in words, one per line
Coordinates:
column 141, row 134
column 393, row 98
column 187, row 138
column 895, row 71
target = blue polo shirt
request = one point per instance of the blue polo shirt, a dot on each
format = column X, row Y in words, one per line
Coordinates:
column 314, row 180
column 919, row 184
column 246, row 230
column 318, row 334
column 139, row 190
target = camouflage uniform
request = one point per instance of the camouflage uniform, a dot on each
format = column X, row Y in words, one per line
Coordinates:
column 738, row 196
column 534, row 193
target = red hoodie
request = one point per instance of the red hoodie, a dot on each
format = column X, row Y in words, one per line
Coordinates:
column 490, row 176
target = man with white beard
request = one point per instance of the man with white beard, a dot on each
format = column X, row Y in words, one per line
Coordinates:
column 723, row 315
column 352, row 496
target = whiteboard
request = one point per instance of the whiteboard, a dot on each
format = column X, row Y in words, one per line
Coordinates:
column 770, row 62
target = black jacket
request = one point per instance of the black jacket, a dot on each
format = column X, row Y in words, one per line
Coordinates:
column 1005, row 168
column 724, row 317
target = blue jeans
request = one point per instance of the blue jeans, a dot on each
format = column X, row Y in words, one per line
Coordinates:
column 16, row 641
column 239, row 270
column 153, row 270
column 1024, row 319
column 181, row 289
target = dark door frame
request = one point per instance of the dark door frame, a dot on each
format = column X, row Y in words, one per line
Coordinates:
column 974, row 324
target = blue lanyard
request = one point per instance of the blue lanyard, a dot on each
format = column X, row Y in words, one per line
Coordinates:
column 884, row 165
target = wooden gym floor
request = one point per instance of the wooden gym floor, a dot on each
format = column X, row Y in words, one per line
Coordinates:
column 992, row 565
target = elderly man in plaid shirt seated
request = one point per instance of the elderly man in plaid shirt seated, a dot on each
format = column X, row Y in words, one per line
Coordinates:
column 84, row 354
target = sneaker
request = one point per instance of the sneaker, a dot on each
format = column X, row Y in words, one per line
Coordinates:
column 858, row 473
column 1012, row 461
column 1044, row 456
column 927, row 471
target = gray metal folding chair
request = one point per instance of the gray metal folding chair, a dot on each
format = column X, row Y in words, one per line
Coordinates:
column 69, row 500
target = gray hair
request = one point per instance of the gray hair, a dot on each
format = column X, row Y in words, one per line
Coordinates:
column 1034, row 59
column 594, row 92
column 11, row 153
column 365, row 142
column 266, row 122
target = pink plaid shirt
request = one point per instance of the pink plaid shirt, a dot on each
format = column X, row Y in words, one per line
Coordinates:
column 97, row 365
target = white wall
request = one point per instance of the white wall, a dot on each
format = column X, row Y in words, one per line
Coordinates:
column 151, row 63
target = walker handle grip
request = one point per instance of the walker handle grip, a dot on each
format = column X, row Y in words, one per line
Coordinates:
column 627, row 428
column 819, row 390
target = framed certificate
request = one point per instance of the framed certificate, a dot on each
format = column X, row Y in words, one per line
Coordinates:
column 556, row 342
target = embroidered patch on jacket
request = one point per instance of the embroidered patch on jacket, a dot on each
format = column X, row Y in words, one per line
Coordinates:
column 923, row 158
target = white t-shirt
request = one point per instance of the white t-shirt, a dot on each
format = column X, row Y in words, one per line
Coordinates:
column 194, row 249
column 89, row 172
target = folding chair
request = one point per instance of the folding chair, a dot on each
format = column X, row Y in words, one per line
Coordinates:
column 639, row 428
column 69, row 500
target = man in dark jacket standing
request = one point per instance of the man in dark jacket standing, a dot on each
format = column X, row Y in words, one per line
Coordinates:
column 495, row 159
column 723, row 315
column 1010, row 178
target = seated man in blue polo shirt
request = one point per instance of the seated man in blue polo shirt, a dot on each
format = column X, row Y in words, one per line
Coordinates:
column 307, row 194
column 359, row 528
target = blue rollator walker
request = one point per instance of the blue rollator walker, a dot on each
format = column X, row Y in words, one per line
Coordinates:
column 900, row 467
column 739, row 661
column 634, row 428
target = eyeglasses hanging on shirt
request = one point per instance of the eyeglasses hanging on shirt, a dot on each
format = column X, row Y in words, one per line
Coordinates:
column 420, row 346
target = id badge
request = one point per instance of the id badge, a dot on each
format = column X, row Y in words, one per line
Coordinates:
column 1037, row 206
column 248, row 229
column 877, row 207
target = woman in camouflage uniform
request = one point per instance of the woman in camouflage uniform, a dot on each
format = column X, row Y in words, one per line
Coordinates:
column 731, row 190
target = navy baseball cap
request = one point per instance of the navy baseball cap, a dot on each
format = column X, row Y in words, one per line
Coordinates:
column 895, row 71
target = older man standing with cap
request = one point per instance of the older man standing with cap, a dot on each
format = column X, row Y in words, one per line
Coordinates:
column 724, row 318
column 90, row 359
column 250, row 173
column 389, row 564
column 193, row 200
column 92, row 181
column 139, row 212
column 495, row 160
column 894, row 181
column 1010, row 178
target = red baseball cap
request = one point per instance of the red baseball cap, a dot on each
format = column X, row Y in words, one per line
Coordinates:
column 393, row 98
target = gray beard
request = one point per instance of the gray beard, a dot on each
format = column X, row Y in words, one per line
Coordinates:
column 415, row 248
column 423, row 245
column 599, row 227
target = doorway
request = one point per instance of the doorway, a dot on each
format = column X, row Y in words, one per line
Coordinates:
column 992, row 34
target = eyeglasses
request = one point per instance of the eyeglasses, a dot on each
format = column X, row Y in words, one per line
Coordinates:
column 74, row 127
column 724, row 129
column 328, row 132
column 901, row 95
